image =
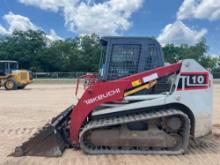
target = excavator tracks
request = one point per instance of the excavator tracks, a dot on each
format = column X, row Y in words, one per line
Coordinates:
column 88, row 147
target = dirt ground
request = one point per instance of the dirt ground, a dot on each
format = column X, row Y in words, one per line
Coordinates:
column 23, row 112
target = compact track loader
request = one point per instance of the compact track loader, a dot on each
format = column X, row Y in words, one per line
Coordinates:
column 127, row 116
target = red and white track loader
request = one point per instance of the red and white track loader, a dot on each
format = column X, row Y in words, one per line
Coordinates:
column 118, row 117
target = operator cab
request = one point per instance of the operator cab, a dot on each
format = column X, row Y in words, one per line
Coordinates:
column 123, row 56
column 6, row 67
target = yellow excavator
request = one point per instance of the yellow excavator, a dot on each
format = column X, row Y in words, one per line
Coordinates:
column 11, row 77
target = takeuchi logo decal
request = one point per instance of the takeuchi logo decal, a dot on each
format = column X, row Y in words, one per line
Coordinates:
column 103, row 96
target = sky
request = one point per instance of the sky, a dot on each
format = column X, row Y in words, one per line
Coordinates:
column 170, row 21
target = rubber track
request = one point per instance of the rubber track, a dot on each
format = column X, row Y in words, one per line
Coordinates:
column 133, row 118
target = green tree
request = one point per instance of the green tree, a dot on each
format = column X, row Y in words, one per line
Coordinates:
column 198, row 52
column 23, row 47
column 60, row 56
column 90, row 50
column 33, row 51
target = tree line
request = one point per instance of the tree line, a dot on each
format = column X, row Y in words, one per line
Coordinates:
column 35, row 52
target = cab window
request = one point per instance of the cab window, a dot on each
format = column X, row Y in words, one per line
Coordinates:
column 2, row 69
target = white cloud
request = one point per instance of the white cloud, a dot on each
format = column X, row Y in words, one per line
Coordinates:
column 18, row 22
column 200, row 9
column 178, row 33
column 52, row 36
column 85, row 16
column 214, row 55
column 52, row 5
column 3, row 31
column 21, row 23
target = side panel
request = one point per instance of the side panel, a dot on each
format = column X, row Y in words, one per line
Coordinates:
column 194, row 89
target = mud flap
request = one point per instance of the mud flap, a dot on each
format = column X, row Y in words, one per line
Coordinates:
column 50, row 141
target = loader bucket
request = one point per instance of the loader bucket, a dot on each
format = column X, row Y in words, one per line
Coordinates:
column 50, row 141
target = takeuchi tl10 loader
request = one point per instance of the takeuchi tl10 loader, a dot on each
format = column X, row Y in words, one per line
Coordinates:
column 137, row 105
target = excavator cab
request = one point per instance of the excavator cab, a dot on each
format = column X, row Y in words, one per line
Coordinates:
column 124, row 56
column 6, row 67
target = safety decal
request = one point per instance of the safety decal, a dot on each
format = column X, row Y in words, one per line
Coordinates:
column 136, row 83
